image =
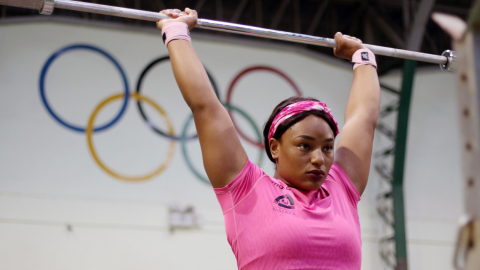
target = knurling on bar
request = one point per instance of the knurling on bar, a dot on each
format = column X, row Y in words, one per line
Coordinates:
column 446, row 60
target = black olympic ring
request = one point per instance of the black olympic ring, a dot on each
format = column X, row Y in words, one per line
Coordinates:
column 139, row 104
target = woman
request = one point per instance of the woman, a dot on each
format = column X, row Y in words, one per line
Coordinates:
column 305, row 217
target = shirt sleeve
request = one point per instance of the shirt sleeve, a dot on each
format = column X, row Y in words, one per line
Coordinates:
column 231, row 194
column 341, row 177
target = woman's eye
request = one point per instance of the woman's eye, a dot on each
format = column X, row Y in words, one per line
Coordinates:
column 303, row 146
column 328, row 148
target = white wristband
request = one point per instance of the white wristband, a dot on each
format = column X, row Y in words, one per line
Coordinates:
column 175, row 30
column 363, row 57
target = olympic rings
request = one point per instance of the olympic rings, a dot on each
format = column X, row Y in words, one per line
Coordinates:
column 184, row 147
column 139, row 86
column 89, row 132
column 258, row 143
column 87, row 47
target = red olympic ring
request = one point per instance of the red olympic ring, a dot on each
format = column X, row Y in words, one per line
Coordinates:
column 234, row 82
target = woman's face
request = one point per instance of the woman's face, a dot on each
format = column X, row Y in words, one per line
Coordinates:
column 304, row 153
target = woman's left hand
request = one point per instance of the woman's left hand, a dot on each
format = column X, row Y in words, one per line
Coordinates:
column 189, row 17
column 346, row 46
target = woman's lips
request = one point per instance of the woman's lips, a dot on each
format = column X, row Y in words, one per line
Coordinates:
column 316, row 174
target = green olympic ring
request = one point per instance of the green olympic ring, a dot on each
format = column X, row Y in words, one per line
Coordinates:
column 184, row 147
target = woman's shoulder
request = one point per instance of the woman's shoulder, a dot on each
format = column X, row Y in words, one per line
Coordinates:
column 337, row 172
column 250, row 173
column 338, row 178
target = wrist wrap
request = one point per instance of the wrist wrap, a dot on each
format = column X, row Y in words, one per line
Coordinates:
column 363, row 57
column 175, row 30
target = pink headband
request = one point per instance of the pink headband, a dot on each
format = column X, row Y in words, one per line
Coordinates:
column 296, row 108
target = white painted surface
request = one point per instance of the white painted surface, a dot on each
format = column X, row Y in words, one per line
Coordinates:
column 48, row 179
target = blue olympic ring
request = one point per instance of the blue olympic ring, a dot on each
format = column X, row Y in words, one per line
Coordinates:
column 87, row 47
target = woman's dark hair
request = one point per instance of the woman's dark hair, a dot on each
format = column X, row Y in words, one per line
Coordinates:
column 292, row 120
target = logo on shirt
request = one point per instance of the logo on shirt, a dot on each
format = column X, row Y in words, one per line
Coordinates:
column 365, row 56
column 279, row 185
column 285, row 201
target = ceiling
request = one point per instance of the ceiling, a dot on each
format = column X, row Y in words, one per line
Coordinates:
column 390, row 23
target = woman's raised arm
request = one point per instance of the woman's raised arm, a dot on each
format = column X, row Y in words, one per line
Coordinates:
column 354, row 148
column 223, row 154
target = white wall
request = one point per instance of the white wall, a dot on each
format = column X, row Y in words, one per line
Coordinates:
column 433, row 177
column 48, row 178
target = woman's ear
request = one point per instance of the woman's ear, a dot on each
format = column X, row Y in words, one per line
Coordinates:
column 274, row 147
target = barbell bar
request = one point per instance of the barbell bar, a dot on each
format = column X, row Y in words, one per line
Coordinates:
column 46, row 7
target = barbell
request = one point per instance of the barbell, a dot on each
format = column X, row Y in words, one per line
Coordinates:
column 46, row 7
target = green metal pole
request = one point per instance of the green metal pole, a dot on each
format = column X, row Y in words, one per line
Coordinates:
column 409, row 67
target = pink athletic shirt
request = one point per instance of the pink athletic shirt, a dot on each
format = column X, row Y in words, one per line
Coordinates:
column 272, row 226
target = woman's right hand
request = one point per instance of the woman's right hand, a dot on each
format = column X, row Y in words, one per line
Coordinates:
column 189, row 17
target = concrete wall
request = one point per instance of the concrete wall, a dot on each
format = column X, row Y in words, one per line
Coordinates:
column 60, row 210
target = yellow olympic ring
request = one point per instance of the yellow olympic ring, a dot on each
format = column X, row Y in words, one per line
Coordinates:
column 170, row 153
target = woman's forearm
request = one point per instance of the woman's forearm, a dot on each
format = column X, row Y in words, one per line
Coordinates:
column 190, row 75
column 364, row 97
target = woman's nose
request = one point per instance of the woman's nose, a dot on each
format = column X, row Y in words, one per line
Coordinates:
column 317, row 157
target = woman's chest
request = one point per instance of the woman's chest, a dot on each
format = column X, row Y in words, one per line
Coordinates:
column 273, row 220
